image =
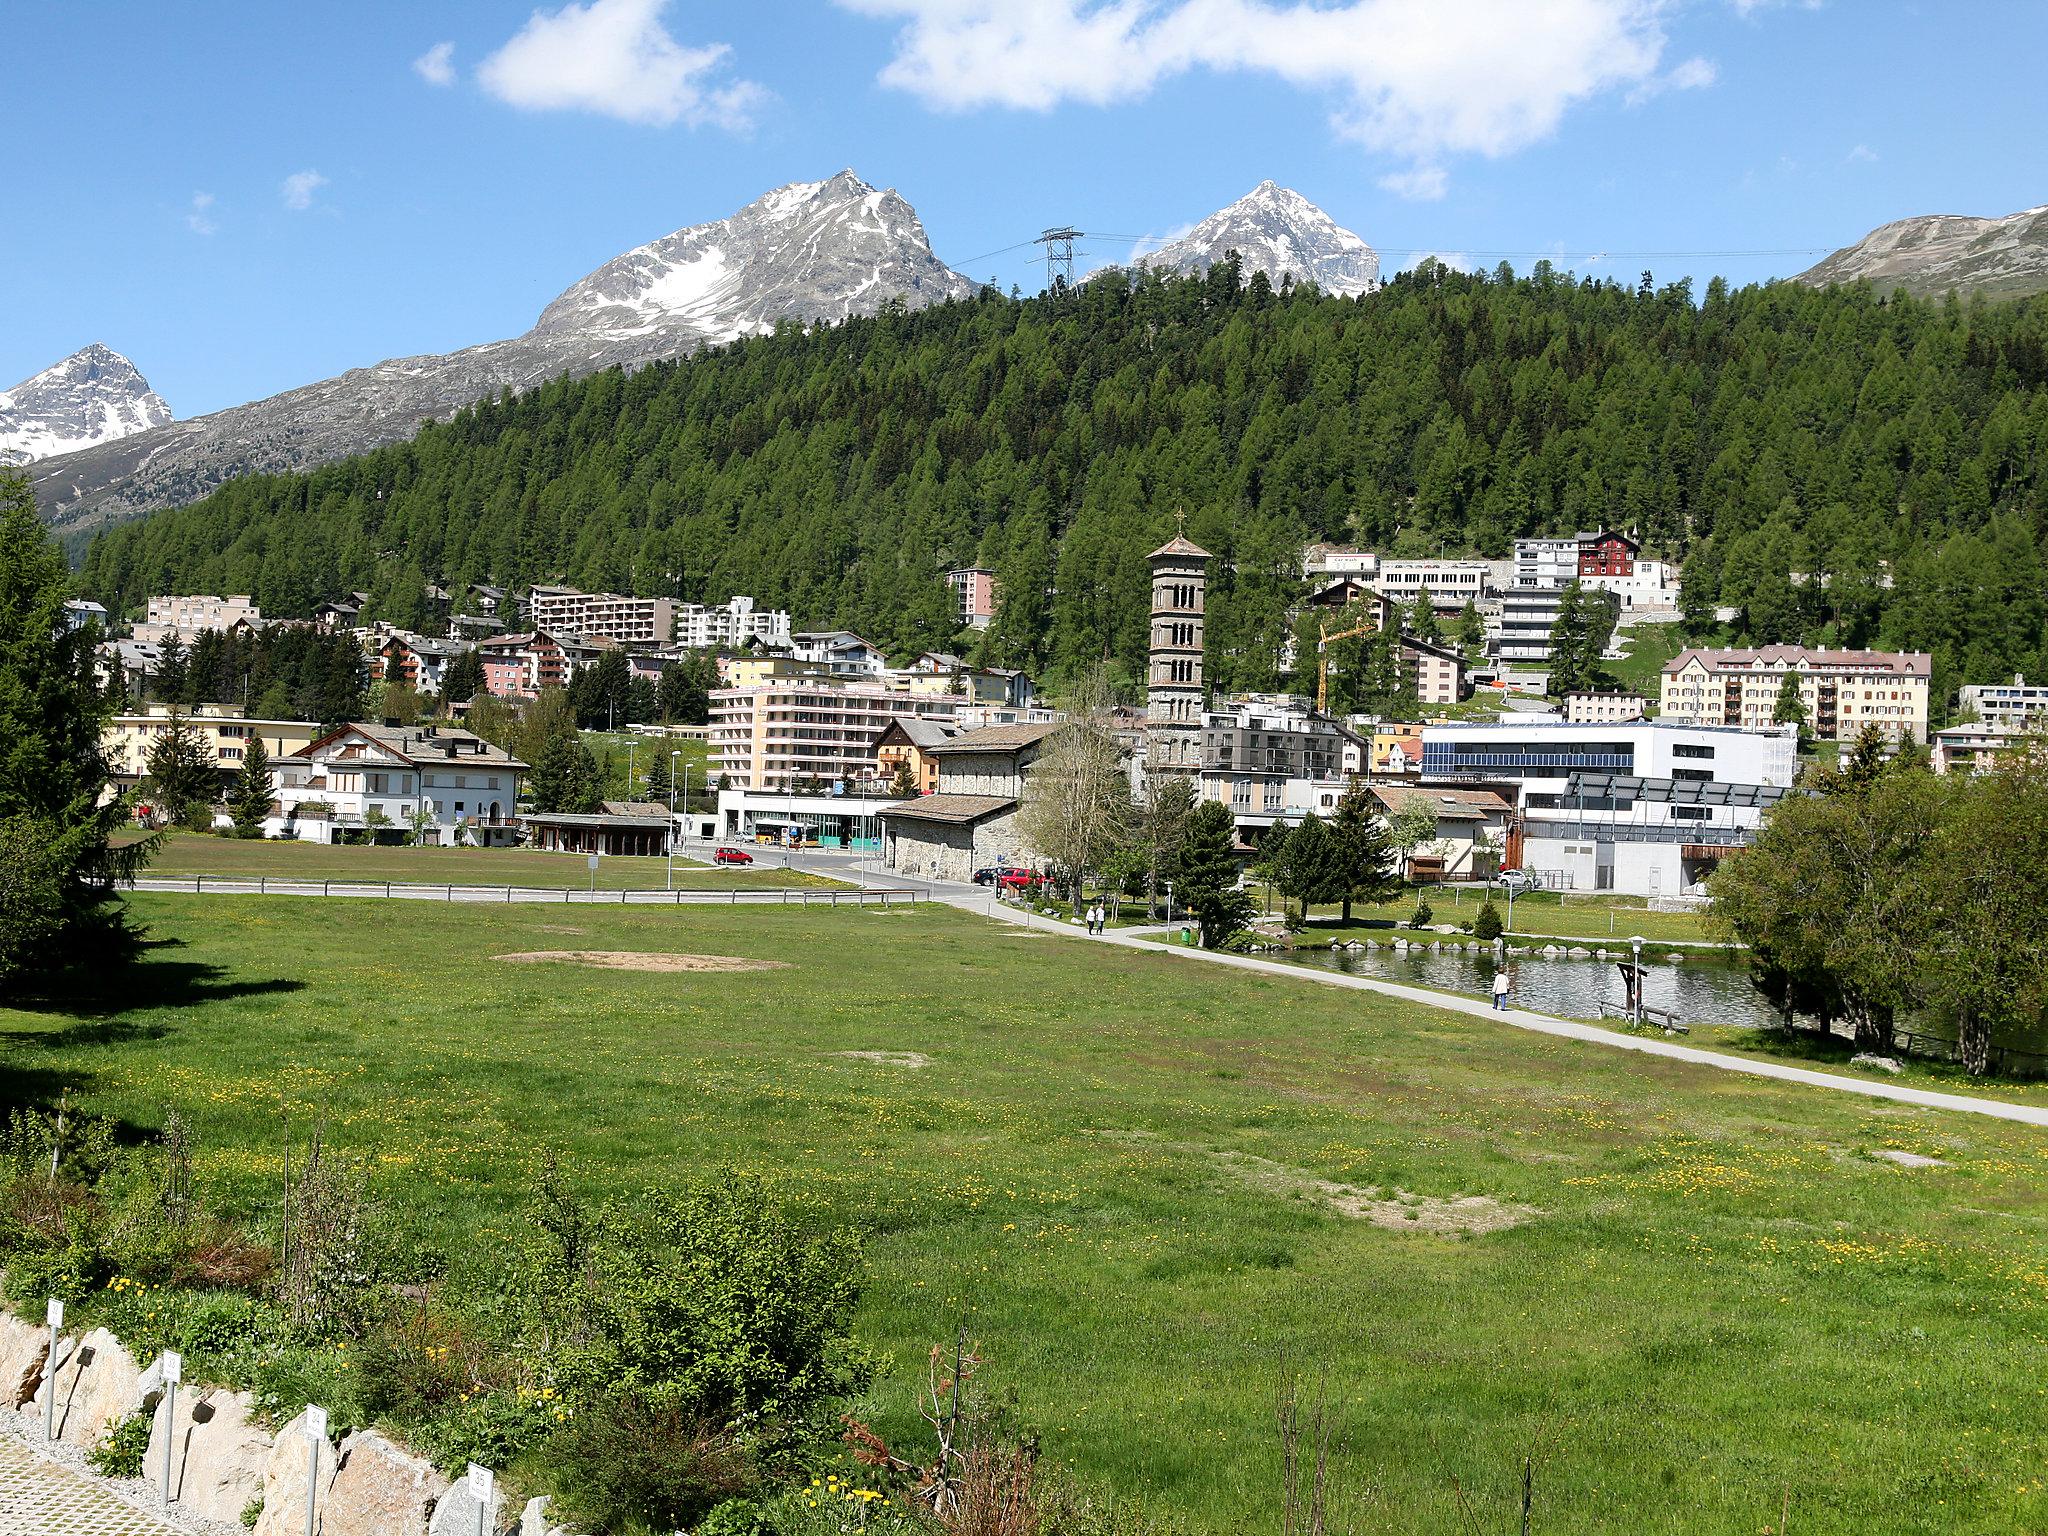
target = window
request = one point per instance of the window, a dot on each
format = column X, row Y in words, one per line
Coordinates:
column 1696, row 775
column 1690, row 749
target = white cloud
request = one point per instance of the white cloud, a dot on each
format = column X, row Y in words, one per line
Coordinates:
column 1151, row 243
column 299, row 187
column 199, row 214
column 1457, row 261
column 437, row 65
column 1862, row 154
column 1421, row 183
column 614, row 57
column 1414, row 79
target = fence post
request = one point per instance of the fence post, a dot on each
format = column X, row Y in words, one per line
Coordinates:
column 263, row 885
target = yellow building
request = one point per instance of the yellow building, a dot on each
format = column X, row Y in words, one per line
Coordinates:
column 1840, row 692
column 221, row 728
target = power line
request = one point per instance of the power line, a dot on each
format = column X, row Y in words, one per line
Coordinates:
column 1552, row 254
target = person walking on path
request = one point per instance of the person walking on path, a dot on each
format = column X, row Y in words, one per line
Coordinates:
column 1500, row 990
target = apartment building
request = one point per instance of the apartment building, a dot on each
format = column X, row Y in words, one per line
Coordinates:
column 1840, row 691
column 1333, row 560
column 628, row 620
column 1646, row 807
column 519, row 666
column 185, row 617
column 1547, row 562
column 730, row 625
column 1436, row 672
column 1254, row 746
column 79, row 613
column 222, row 729
column 1605, row 553
column 1978, row 748
column 381, row 782
column 974, row 596
column 1528, row 613
column 1604, row 706
column 2015, row 703
column 1451, row 584
column 783, row 734
column 419, row 660
column 840, row 651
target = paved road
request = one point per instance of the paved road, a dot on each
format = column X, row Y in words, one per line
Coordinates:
column 41, row 1498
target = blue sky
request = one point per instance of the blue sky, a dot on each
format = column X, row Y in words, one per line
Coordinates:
column 247, row 197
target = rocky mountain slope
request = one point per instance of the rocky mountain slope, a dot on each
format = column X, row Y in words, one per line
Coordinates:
column 94, row 396
column 810, row 251
column 1279, row 232
column 1938, row 253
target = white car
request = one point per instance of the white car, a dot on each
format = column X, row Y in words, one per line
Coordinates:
column 1517, row 880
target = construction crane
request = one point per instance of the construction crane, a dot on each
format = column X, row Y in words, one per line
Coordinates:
column 1323, row 657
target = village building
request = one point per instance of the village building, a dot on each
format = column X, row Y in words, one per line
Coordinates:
column 221, row 729
column 974, row 596
column 623, row 827
column 1592, row 706
column 970, row 822
column 1471, row 830
column 907, row 744
column 384, row 783
column 1840, row 691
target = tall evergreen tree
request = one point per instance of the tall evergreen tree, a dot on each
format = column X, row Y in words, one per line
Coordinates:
column 250, row 794
column 1368, row 868
column 1208, row 874
column 181, row 777
column 57, row 858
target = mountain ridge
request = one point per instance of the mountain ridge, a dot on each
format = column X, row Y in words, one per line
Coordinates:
column 806, row 251
column 1937, row 253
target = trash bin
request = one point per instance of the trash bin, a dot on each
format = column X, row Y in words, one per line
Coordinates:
column 1187, row 936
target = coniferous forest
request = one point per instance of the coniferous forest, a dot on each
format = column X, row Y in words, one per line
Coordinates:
column 1840, row 466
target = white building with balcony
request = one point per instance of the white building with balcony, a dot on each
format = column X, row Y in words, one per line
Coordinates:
column 385, row 783
column 792, row 734
column 731, row 625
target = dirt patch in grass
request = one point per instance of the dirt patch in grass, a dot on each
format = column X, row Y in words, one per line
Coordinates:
column 635, row 960
column 911, row 1059
column 1398, row 1210
column 557, row 928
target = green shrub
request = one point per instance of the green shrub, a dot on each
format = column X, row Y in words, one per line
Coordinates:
column 121, row 1449
column 252, row 1512
column 710, row 1301
column 633, row 1459
column 735, row 1517
column 1422, row 916
column 1487, row 926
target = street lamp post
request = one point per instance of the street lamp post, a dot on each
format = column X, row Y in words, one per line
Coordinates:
column 672, row 817
column 1635, row 944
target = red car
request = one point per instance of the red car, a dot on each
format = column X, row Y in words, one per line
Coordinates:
column 732, row 856
column 1019, row 880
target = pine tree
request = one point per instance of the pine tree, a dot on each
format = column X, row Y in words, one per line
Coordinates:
column 1789, row 708
column 57, row 860
column 565, row 777
column 1208, row 874
column 1368, row 869
column 463, row 679
column 249, row 796
column 181, row 774
column 1307, row 867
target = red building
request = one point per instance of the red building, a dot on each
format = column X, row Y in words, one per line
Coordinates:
column 1607, row 554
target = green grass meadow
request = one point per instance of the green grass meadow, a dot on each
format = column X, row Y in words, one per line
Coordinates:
column 1130, row 1172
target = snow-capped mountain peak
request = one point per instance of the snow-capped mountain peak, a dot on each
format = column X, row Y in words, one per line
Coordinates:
column 1275, row 230
column 94, row 396
column 812, row 250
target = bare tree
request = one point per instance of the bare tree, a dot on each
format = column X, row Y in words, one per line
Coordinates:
column 1077, row 800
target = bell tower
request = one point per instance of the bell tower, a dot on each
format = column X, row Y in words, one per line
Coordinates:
column 1174, row 692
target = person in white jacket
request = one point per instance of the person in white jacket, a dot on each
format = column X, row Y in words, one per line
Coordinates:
column 1500, row 989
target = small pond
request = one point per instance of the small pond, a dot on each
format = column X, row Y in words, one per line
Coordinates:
column 1700, row 989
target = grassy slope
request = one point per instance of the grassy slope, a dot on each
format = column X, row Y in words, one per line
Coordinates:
column 1724, row 1296
column 199, row 854
column 1538, row 914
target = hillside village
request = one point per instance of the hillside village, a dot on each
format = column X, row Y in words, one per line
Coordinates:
column 818, row 737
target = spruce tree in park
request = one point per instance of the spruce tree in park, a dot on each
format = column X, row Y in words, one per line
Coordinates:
column 249, row 796
column 1208, row 874
column 1307, row 867
column 656, row 781
column 181, row 776
column 565, row 777
column 1789, row 709
column 58, row 864
column 1368, row 868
